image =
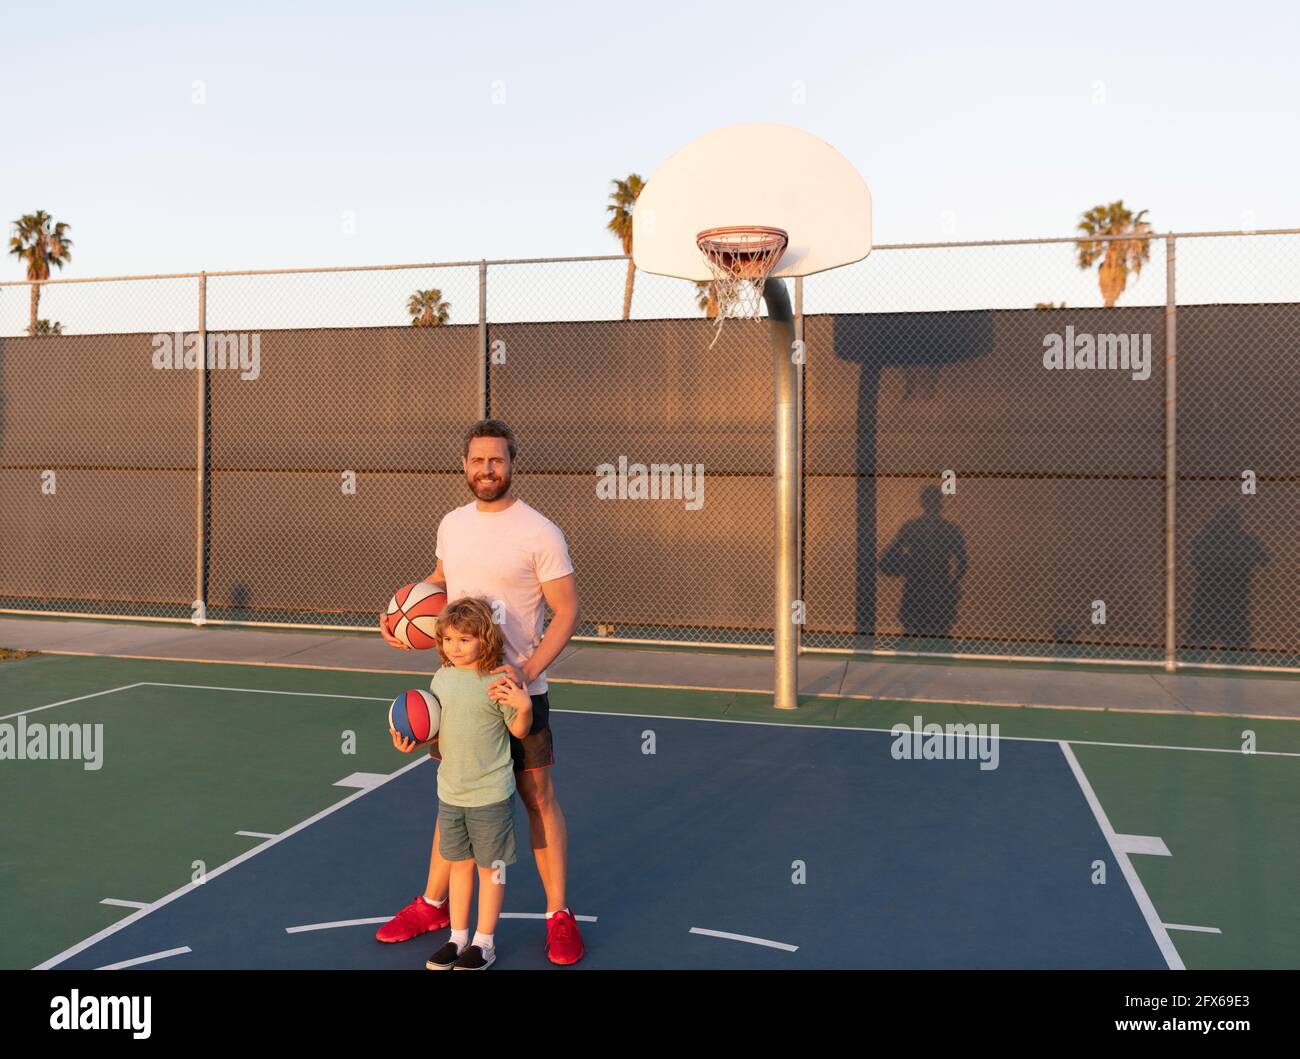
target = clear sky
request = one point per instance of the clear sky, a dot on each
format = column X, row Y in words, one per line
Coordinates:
column 468, row 130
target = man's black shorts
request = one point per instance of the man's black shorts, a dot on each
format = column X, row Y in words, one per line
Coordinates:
column 536, row 750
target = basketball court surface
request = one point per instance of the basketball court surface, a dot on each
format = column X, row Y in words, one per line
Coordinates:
column 228, row 827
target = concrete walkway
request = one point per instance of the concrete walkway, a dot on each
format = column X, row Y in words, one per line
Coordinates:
column 1123, row 688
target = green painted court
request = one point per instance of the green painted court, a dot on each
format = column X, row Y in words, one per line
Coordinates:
column 194, row 753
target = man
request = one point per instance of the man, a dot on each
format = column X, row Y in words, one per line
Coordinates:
column 500, row 549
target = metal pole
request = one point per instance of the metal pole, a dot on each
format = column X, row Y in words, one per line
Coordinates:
column 199, row 611
column 786, row 378
column 1171, row 454
column 484, row 391
column 801, row 368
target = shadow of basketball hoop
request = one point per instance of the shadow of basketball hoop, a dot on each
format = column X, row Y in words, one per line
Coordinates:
column 3, row 394
column 921, row 345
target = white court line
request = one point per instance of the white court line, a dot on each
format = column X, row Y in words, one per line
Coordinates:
column 1150, row 845
column 771, row 724
column 1198, row 930
column 384, row 919
column 258, row 834
column 956, row 735
column 746, row 938
column 64, row 702
column 337, row 923
column 364, row 780
column 124, row 904
column 145, row 959
column 542, row 915
column 854, row 696
column 54, row 961
column 1158, row 931
column 262, row 691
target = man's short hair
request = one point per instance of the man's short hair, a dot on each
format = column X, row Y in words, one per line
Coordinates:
column 491, row 428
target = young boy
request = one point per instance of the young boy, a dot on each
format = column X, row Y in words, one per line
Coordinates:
column 476, row 783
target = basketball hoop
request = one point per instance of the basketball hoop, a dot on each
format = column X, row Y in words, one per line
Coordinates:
column 740, row 257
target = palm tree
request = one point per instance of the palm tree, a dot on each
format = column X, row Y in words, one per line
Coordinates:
column 41, row 243
column 1118, row 257
column 44, row 327
column 706, row 297
column 427, row 308
column 621, row 201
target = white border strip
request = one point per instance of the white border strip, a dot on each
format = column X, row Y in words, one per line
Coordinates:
column 746, row 938
column 119, row 903
column 1158, row 931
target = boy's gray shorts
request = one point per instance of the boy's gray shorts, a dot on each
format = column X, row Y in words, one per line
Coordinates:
column 484, row 832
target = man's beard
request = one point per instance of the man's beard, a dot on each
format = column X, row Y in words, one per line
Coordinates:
column 489, row 491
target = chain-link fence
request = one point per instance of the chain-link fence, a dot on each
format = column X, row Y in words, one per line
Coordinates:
column 979, row 476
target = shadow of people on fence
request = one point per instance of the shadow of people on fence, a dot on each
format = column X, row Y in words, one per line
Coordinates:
column 929, row 554
column 2, row 398
column 1224, row 558
column 240, row 594
column 920, row 345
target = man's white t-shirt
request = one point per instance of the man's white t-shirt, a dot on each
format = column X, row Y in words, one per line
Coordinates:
column 503, row 557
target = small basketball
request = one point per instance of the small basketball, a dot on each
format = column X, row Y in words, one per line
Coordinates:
column 412, row 614
column 415, row 715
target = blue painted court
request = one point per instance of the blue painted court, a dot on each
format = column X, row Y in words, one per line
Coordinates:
column 904, row 864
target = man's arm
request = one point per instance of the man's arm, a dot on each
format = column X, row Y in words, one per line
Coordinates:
column 438, row 577
column 562, row 597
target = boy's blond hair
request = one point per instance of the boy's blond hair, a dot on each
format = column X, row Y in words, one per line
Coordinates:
column 474, row 618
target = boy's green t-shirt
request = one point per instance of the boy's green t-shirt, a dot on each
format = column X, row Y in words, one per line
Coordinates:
column 473, row 739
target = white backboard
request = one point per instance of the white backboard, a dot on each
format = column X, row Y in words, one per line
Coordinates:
column 770, row 175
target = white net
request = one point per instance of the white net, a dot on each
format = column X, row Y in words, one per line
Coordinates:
column 740, row 259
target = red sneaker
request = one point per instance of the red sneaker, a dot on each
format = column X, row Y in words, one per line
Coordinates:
column 419, row 917
column 563, row 942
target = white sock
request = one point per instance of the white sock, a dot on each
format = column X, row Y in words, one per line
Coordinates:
column 483, row 941
column 436, row 904
column 557, row 911
column 460, row 938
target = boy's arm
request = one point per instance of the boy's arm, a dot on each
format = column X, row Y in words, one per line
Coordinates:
column 408, row 746
column 523, row 722
column 511, row 696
